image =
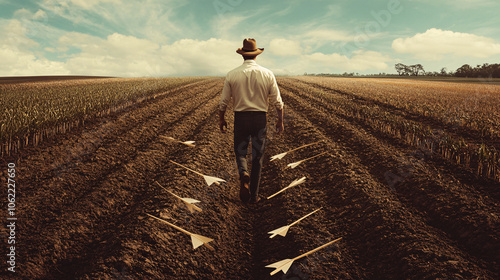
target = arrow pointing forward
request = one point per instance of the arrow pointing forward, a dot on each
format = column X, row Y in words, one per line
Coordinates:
column 285, row 264
column 189, row 202
column 282, row 155
column 208, row 179
column 196, row 239
column 292, row 184
column 295, row 164
column 187, row 143
column 283, row 230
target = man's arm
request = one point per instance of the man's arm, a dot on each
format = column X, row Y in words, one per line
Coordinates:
column 275, row 97
column 279, row 124
column 222, row 121
column 224, row 100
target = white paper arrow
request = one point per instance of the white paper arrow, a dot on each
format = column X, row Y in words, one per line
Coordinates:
column 279, row 156
column 295, row 164
column 292, row 184
column 282, row 155
column 188, row 201
column 283, row 230
column 196, row 239
column 187, row 143
column 208, row 179
column 285, row 264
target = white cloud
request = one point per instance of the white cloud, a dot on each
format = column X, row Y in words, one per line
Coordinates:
column 116, row 55
column 328, row 35
column 89, row 3
column 85, row 4
column 17, row 57
column 313, row 38
column 120, row 55
column 284, row 47
column 210, row 57
column 129, row 56
column 463, row 4
column 360, row 61
column 224, row 26
column 150, row 19
column 13, row 34
column 435, row 43
column 318, row 62
column 40, row 15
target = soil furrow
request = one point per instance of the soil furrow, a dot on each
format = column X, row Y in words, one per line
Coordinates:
column 487, row 187
column 335, row 261
column 469, row 134
column 95, row 134
column 402, row 215
column 383, row 204
column 217, row 199
column 466, row 214
column 92, row 190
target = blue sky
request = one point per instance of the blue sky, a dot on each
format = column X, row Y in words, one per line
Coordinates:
column 193, row 38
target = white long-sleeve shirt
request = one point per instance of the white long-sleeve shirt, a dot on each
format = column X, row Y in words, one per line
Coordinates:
column 252, row 87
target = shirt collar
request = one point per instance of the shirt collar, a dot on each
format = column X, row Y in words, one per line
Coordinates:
column 250, row 61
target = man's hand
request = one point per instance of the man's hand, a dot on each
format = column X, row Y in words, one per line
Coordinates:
column 222, row 122
column 223, row 126
column 279, row 124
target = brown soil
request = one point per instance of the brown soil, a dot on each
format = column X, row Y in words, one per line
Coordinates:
column 82, row 199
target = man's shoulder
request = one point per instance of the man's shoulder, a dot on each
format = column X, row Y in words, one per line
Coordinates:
column 264, row 69
column 255, row 67
column 235, row 70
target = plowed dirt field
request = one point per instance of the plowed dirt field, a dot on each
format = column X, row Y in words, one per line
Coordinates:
column 82, row 199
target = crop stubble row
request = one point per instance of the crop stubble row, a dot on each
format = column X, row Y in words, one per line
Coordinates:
column 458, row 122
column 470, row 225
column 94, row 227
column 82, row 219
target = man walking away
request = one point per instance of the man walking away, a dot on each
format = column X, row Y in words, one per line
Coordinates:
column 251, row 87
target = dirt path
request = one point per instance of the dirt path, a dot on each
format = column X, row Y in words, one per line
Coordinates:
column 83, row 199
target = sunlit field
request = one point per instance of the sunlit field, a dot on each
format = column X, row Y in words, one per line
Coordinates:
column 405, row 171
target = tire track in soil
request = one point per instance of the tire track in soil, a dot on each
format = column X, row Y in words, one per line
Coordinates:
column 55, row 229
column 410, row 236
column 451, row 206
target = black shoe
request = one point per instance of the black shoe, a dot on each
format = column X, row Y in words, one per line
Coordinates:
column 244, row 187
column 254, row 200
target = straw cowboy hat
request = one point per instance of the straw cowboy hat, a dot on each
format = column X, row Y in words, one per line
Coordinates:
column 249, row 48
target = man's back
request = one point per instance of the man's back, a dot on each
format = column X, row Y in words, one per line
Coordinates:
column 251, row 86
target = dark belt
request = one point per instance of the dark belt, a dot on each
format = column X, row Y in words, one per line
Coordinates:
column 251, row 113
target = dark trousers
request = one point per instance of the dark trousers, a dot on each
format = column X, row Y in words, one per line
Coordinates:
column 250, row 126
